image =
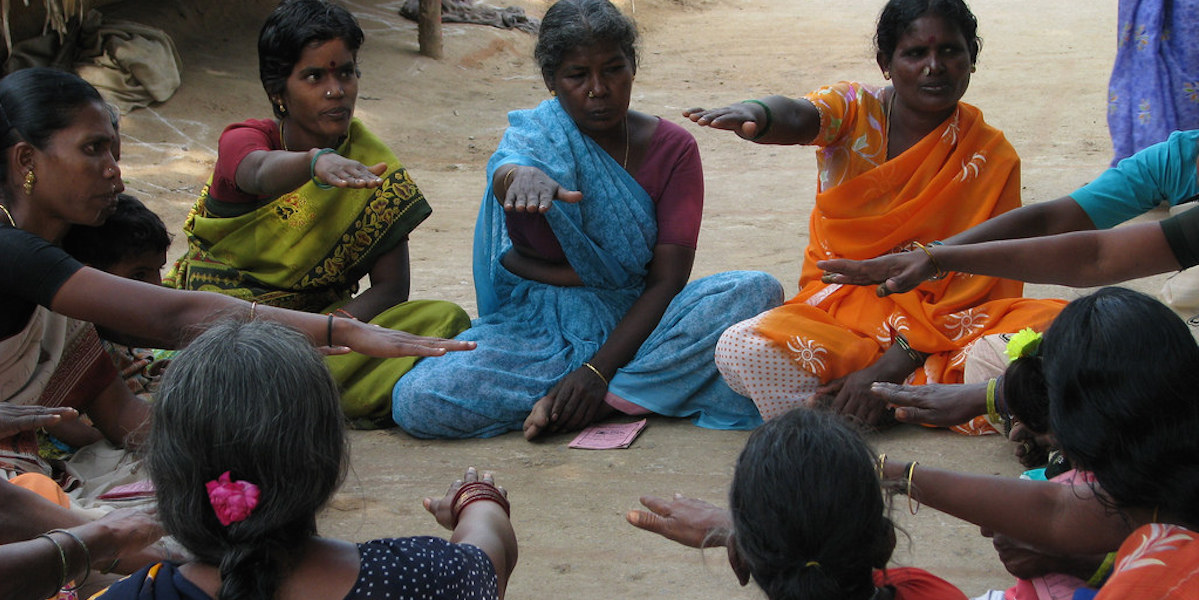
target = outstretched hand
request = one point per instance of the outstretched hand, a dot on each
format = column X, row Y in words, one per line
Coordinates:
column 442, row 508
column 738, row 118
column 934, row 404
column 373, row 340
column 531, row 190
column 693, row 523
column 338, row 171
column 894, row 273
column 688, row 521
column 15, row 418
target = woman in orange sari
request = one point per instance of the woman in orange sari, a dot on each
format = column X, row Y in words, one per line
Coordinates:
column 901, row 167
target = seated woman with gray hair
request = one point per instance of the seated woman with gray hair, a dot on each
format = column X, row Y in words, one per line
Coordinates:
column 242, row 464
column 584, row 246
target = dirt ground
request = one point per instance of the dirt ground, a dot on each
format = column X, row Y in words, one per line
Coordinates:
column 1042, row 78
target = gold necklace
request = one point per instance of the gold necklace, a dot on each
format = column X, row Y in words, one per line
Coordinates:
column 9, row 215
column 282, row 138
column 625, row 164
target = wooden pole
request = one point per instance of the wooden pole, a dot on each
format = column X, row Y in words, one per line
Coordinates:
column 429, row 28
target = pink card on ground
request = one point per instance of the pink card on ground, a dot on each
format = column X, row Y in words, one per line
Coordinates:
column 137, row 489
column 609, row 436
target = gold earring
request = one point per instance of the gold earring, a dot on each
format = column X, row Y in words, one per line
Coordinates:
column 554, row 93
column 973, row 68
column 887, row 75
column 590, row 94
column 30, row 179
column 282, row 109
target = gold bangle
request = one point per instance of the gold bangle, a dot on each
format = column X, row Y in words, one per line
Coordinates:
column 939, row 272
column 880, row 463
column 912, row 508
column 597, row 373
column 508, row 177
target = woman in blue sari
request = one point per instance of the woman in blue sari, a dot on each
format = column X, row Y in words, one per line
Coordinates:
column 583, row 250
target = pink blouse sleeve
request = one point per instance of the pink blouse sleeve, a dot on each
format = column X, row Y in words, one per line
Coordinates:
column 673, row 176
column 237, row 141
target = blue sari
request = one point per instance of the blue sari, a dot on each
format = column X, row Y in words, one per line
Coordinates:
column 532, row 334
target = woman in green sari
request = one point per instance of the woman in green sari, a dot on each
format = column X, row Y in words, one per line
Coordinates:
column 300, row 207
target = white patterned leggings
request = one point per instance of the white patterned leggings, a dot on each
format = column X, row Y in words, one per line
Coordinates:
column 756, row 367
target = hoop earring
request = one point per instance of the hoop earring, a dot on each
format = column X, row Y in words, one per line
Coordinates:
column 30, row 179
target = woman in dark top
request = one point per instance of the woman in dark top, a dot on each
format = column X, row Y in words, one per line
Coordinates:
column 58, row 169
column 242, row 464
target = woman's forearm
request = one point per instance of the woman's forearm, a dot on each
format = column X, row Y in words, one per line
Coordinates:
column 1034, row 220
column 26, row 514
column 1079, row 259
column 274, row 172
column 536, row 269
column 390, row 285
column 486, row 526
column 790, row 121
column 628, row 335
column 168, row 317
column 1056, row 518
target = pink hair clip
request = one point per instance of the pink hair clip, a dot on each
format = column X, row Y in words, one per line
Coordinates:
column 232, row 501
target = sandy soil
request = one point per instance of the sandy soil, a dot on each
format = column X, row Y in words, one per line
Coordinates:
column 1042, row 79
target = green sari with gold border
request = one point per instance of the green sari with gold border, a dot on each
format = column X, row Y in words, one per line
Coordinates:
column 307, row 249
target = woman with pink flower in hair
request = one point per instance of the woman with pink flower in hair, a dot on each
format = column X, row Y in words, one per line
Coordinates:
column 242, row 464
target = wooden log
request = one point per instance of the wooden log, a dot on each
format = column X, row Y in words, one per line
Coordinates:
column 429, row 28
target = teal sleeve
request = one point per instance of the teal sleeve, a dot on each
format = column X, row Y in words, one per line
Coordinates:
column 1163, row 172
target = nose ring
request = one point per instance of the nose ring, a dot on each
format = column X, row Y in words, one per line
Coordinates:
column 590, row 94
column 329, row 93
column 926, row 71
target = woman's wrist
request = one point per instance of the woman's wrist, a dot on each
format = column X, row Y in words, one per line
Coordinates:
column 315, row 155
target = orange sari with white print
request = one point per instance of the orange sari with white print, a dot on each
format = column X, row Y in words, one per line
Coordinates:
column 1156, row 562
column 958, row 176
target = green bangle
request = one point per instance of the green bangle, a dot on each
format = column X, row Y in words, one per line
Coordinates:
column 1103, row 571
column 312, row 168
column 902, row 341
column 62, row 559
column 992, row 412
column 87, row 558
column 769, row 119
